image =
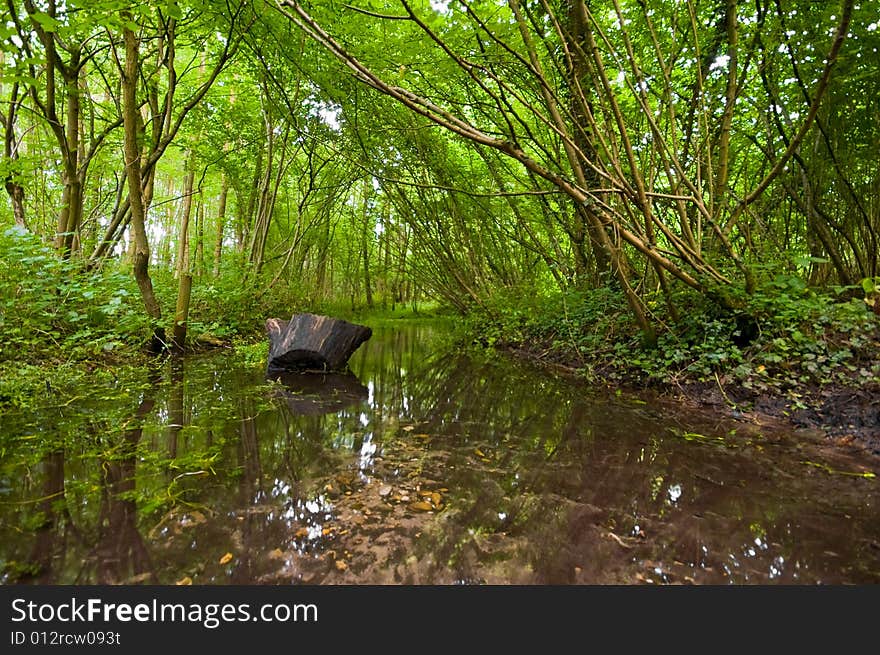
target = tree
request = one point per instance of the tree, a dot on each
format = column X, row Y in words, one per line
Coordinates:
column 655, row 198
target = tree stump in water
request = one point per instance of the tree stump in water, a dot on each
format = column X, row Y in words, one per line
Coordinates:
column 312, row 342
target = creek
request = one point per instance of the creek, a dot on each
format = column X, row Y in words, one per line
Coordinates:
column 424, row 465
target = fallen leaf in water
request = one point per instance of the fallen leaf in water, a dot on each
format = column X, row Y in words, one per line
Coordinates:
column 421, row 506
column 276, row 554
column 422, row 436
column 424, row 493
column 184, row 581
column 479, row 452
column 326, row 531
column 302, row 533
column 409, row 428
column 226, row 558
column 436, row 498
column 341, row 565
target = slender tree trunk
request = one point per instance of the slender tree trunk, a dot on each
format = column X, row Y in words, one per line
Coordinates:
column 365, row 249
column 70, row 216
column 182, row 263
column 135, row 190
column 181, row 313
column 200, row 236
column 579, row 104
column 121, row 218
column 13, row 188
column 221, row 226
column 184, row 286
column 16, row 197
column 246, row 220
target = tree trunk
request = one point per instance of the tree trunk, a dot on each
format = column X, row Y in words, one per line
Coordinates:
column 13, row 188
column 70, row 216
column 16, row 197
column 182, row 263
column 184, row 280
column 200, row 236
column 311, row 342
column 181, row 314
column 135, row 191
column 365, row 250
column 221, row 226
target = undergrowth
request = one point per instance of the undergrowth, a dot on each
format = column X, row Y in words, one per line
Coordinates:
column 785, row 335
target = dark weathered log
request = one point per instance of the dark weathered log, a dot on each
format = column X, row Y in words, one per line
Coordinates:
column 311, row 394
column 312, row 342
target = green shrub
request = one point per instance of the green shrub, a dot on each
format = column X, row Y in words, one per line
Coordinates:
column 52, row 309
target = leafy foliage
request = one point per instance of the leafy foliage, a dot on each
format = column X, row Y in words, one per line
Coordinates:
column 54, row 311
column 786, row 337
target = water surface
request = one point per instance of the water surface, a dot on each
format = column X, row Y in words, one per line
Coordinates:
column 424, row 466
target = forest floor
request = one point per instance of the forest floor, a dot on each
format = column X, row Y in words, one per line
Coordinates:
column 847, row 415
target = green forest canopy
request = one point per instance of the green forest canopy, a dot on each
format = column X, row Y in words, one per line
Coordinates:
column 374, row 150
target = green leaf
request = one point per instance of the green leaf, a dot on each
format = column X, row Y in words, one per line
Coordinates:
column 45, row 21
column 174, row 10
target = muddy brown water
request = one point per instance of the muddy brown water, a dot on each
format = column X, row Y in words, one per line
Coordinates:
column 423, row 466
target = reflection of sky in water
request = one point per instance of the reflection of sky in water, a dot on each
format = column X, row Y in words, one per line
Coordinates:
column 368, row 452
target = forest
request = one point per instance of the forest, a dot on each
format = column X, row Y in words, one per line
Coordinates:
column 676, row 195
column 660, row 158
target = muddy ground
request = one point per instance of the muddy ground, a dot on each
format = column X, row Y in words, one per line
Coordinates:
column 847, row 416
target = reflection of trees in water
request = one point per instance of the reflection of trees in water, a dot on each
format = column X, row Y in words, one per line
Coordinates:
column 120, row 553
column 49, row 535
column 540, row 471
column 176, row 415
column 250, row 493
column 102, row 543
column 554, row 458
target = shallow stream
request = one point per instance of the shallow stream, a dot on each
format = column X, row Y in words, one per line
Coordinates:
column 424, row 466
